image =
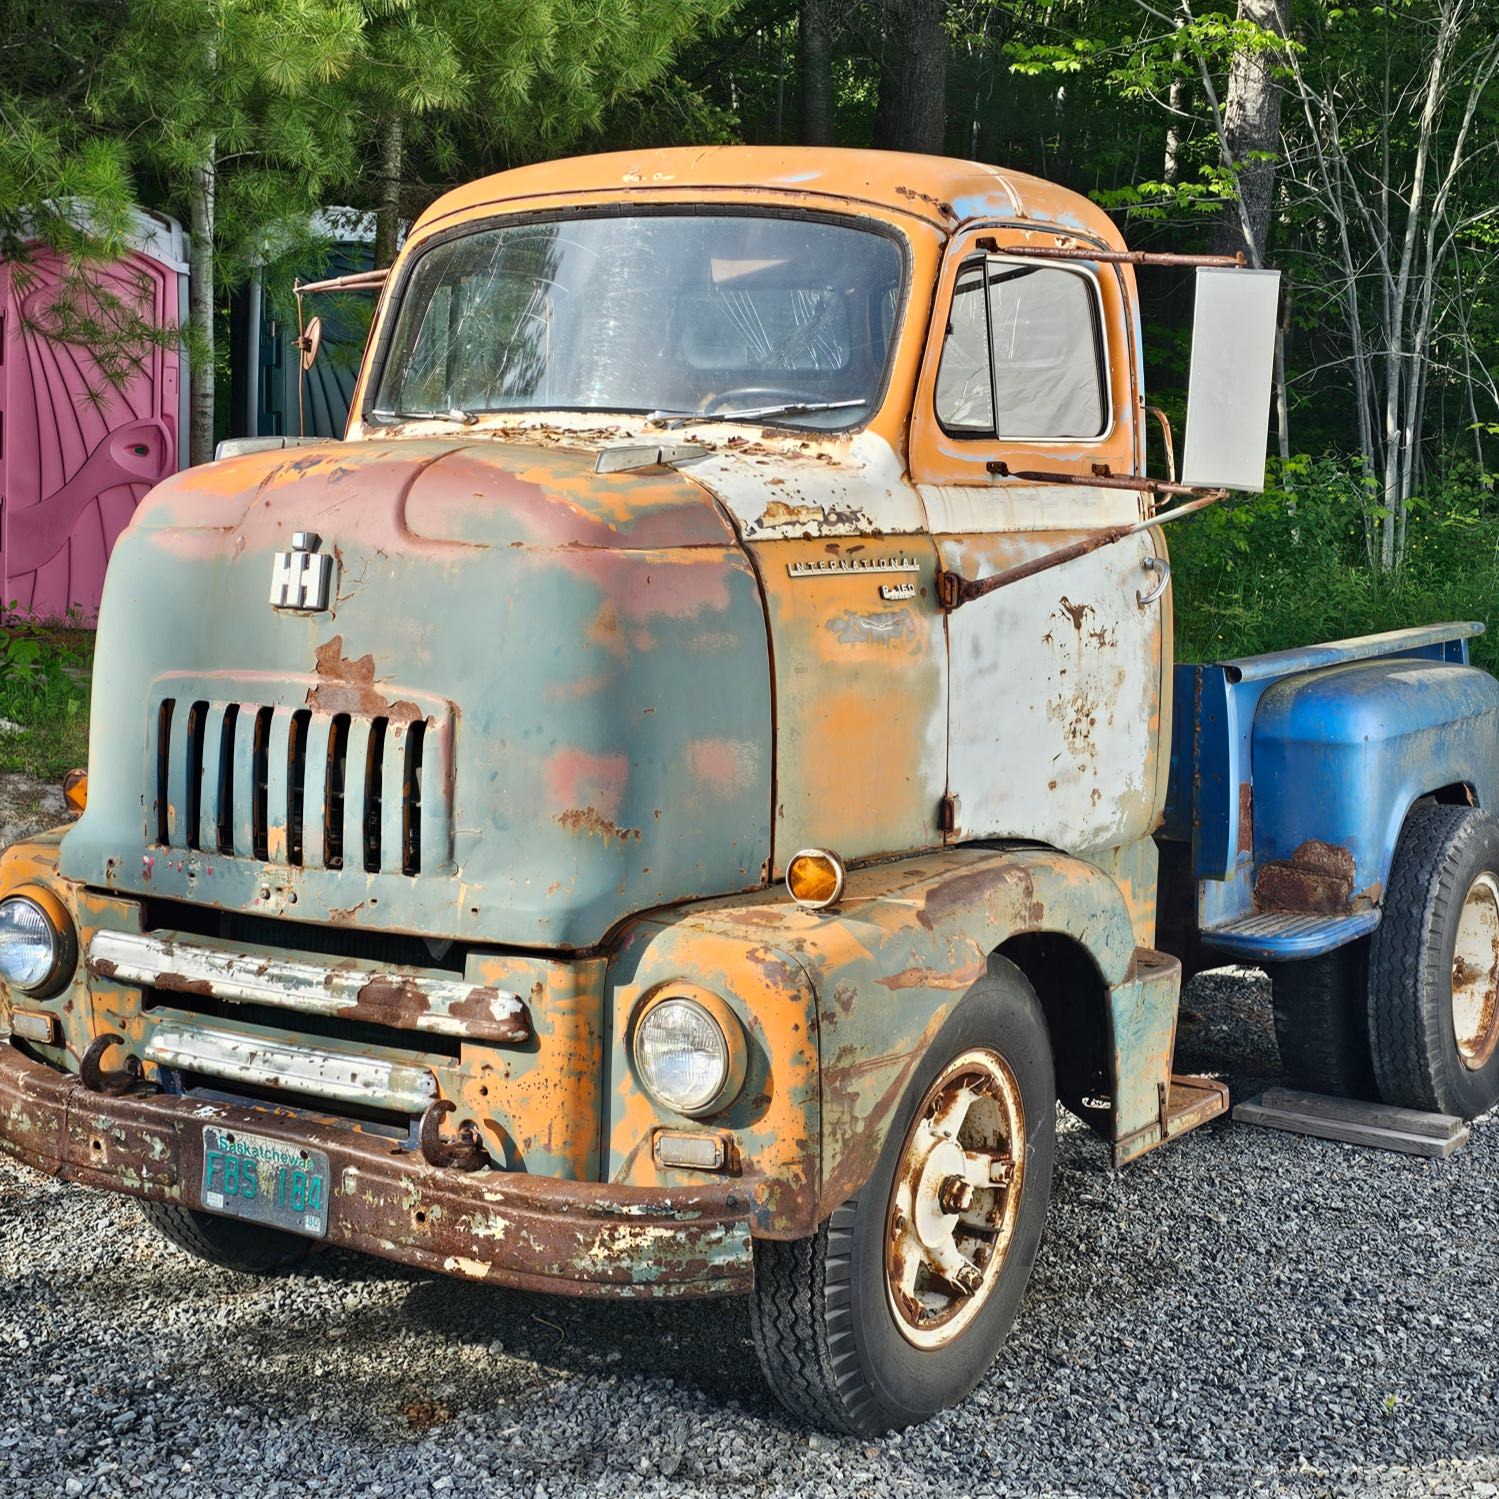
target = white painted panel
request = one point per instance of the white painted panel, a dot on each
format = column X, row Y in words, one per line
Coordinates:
column 1008, row 506
column 824, row 486
column 1233, row 370
column 1056, row 700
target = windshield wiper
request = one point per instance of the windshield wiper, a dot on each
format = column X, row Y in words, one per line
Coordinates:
column 751, row 414
column 453, row 414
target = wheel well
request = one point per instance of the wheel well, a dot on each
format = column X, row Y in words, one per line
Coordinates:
column 1459, row 795
column 1074, row 1001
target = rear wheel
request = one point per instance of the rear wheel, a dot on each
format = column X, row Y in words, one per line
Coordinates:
column 897, row 1306
column 228, row 1242
column 1322, row 1022
column 1434, row 966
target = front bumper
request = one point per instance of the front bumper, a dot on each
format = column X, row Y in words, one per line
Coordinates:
column 511, row 1229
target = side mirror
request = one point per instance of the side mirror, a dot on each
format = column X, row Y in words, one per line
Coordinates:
column 310, row 341
column 1233, row 373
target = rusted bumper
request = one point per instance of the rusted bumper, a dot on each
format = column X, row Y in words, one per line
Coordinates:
column 531, row 1233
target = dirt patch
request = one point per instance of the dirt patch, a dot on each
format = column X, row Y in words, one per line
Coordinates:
column 27, row 806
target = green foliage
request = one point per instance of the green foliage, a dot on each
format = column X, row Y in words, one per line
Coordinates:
column 1289, row 567
column 44, row 678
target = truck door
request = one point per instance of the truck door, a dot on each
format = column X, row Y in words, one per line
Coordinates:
column 1056, row 682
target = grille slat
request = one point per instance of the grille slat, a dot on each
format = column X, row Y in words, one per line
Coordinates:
column 242, row 768
column 273, row 824
column 289, row 785
column 314, row 793
column 356, row 788
column 210, row 776
column 393, row 795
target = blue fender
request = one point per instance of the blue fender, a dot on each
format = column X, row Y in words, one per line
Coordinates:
column 1322, row 767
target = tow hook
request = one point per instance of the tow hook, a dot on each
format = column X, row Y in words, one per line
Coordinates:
column 98, row 1079
column 464, row 1153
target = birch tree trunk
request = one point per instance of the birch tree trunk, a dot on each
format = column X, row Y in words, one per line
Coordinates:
column 1251, row 125
column 388, row 215
column 200, row 308
column 817, row 81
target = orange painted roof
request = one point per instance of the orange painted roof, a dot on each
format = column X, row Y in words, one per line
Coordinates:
column 939, row 189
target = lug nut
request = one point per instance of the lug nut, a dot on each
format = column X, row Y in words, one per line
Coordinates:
column 955, row 1195
column 967, row 1279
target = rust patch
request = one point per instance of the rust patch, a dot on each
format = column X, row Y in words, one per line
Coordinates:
column 348, row 686
column 930, row 978
column 915, row 195
column 591, row 820
column 1317, row 880
column 1246, row 817
column 177, row 984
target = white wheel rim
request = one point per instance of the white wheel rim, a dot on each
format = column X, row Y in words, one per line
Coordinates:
column 1475, row 974
column 956, row 1198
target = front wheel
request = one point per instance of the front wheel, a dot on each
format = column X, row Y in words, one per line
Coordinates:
column 896, row 1307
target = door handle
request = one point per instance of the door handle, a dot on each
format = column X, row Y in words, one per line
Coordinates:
column 1160, row 566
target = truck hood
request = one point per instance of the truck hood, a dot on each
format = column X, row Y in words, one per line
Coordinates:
column 537, row 702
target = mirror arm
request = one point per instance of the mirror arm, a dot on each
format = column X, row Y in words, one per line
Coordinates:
column 1100, row 478
column 954, row 590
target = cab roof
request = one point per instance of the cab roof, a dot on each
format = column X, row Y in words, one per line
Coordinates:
column 945, row 192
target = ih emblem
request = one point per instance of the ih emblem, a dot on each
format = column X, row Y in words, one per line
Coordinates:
column 302, row 577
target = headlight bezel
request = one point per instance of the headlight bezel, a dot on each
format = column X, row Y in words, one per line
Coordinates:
column 730, row 1030
column 59, row 923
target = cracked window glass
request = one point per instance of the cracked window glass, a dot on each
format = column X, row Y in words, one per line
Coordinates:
column 692, row 314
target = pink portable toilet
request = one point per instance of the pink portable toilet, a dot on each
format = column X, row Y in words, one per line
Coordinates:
column 77, row 453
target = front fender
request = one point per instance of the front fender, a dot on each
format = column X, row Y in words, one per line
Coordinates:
column 876, row 978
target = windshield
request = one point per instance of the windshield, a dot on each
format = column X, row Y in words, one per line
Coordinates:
column 718, row 313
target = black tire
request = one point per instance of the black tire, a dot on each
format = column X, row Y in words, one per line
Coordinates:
column 1322, row 1022
column 1441, row 853
column 228, row 1242
column 825, row 1331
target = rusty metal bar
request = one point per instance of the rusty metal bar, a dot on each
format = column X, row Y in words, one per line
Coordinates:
column 953, row 589
column 1095, row 480
column 1110, row 257
column 358, row 281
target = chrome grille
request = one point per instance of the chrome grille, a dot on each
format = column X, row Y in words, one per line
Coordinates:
column 297, row 786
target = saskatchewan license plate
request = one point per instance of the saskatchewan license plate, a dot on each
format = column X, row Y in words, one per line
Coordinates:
column 264, row 1180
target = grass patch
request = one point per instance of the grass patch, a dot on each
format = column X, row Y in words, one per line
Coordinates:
column 44, row 688
column 1288, row 568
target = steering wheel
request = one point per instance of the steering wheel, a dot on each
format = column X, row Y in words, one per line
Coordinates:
column 754, row 395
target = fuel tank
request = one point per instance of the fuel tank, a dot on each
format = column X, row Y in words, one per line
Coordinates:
column 536, row 701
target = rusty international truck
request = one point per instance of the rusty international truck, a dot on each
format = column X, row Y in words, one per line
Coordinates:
column 670, row 804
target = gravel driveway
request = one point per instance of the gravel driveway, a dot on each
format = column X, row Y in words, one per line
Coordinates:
column 1241, row 1312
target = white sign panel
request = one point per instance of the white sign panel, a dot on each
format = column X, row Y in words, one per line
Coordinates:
column 1233, row 373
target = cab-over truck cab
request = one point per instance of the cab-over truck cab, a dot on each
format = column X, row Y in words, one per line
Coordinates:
column 597, row 829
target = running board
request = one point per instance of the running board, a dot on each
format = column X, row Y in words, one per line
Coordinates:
column 1187, row 1103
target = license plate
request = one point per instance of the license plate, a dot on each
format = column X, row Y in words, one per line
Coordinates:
column 264, row 1180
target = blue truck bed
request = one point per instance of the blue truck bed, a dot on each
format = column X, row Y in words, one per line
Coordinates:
column 1292, row 773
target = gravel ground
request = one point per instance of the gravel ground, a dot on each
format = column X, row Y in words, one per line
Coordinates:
column 1241, row 1312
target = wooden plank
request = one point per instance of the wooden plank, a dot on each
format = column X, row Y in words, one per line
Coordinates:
column 1386, row 1115
column 1379, row 1126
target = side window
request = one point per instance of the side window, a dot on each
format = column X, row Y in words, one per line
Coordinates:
column 965, row 395
column 1025, row 340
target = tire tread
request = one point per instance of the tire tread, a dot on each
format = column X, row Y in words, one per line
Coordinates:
column 1405, row 1032
column 248, row 1247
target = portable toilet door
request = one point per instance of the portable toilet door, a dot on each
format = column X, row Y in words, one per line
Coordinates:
column 78, row 451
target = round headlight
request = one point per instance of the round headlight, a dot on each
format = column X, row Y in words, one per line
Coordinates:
column 689, row 1052
column 33, row 944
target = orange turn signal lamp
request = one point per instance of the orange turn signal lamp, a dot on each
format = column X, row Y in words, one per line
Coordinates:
column 75, row 792
column 815, row 878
